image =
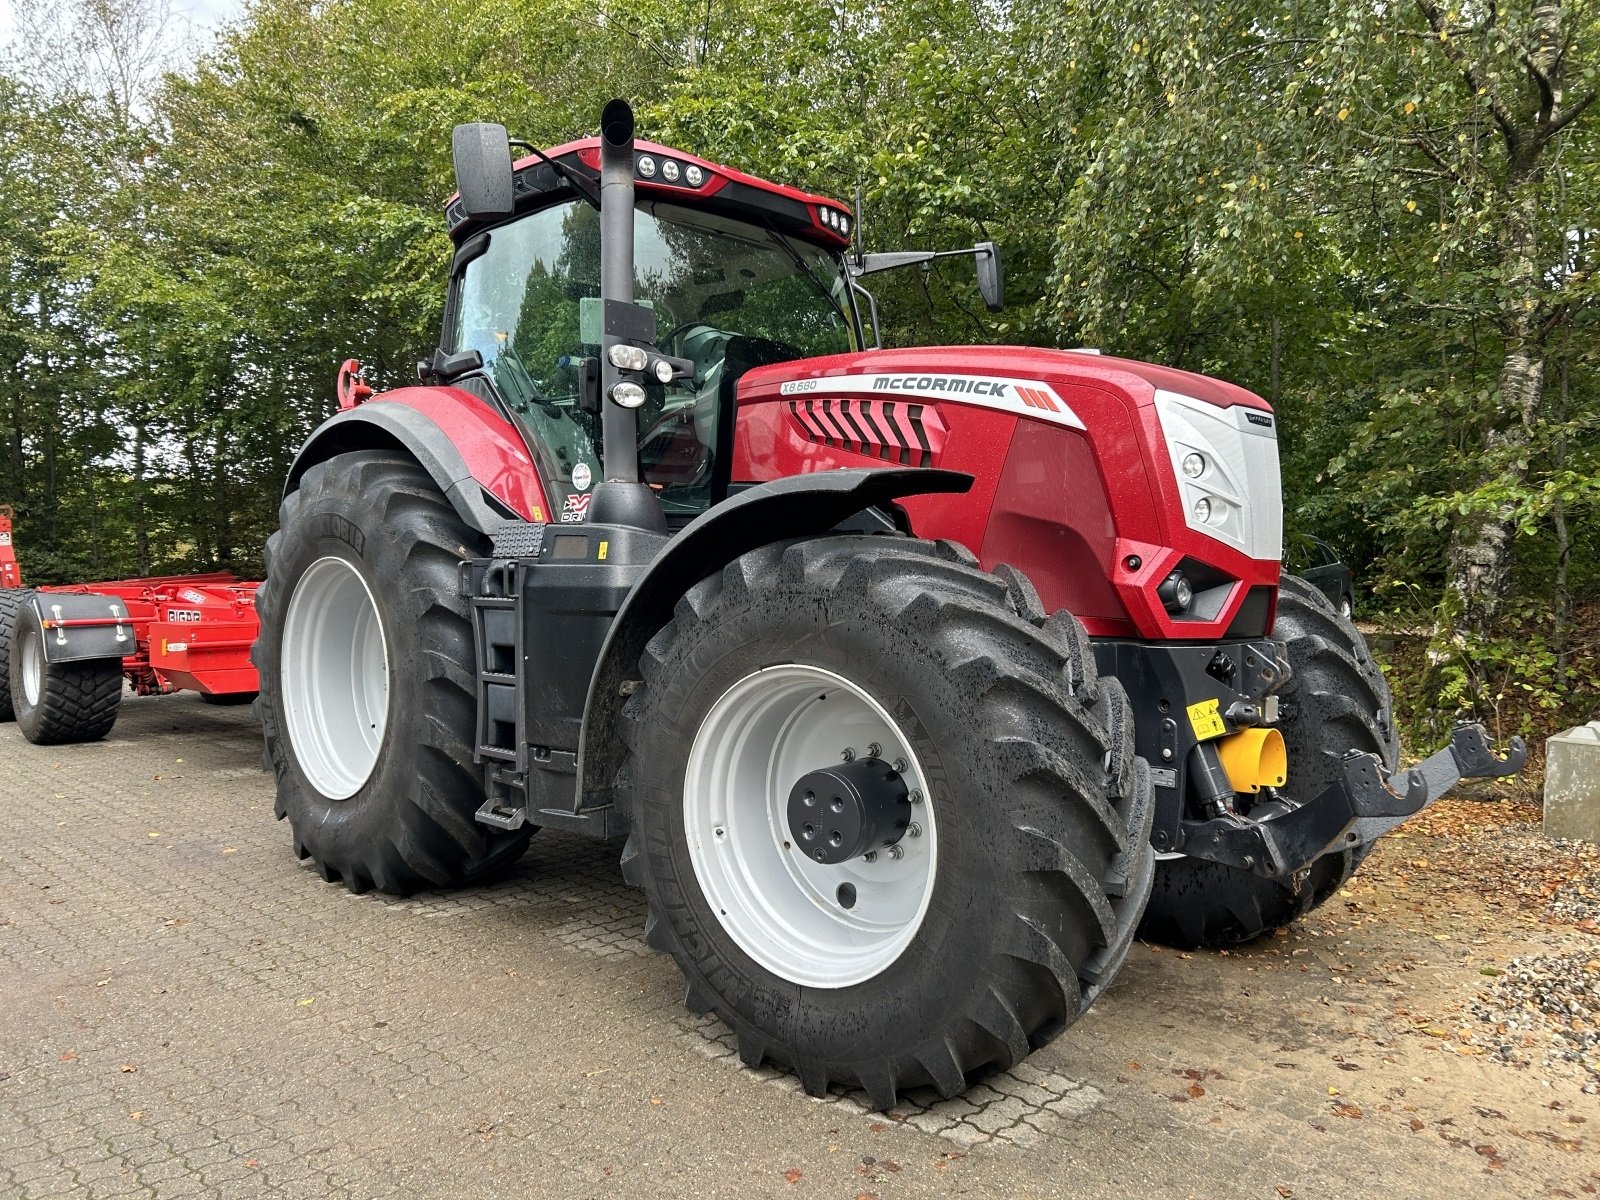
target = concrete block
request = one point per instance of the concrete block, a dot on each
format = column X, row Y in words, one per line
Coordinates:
column 1572, row 784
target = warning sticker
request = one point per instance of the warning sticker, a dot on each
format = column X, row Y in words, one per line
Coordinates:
column 1205, row 720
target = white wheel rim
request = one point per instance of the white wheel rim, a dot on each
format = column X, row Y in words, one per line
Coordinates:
column 335, row 677
column 781, row 908
column 32, row 666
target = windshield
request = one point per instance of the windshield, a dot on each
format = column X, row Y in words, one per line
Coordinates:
column 727, row 295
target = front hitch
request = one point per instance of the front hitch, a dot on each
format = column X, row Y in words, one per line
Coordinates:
column 1364, row 805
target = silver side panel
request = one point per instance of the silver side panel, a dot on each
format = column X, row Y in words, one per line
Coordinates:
column 1241, row 474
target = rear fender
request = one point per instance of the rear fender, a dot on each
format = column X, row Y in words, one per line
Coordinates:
column 797, row 506
column 472, row 452
column 80, row 628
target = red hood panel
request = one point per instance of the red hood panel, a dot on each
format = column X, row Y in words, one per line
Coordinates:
column 1139, row 379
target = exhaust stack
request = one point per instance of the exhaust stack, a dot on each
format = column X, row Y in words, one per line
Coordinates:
column 622, row 498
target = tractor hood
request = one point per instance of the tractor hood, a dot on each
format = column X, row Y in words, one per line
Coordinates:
column 1078, row 456
column 989, row 375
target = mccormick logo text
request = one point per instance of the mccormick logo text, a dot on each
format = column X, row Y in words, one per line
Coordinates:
column 940, row 383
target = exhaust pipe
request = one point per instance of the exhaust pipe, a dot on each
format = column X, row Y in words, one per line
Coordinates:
column 620, row 426
column 621, row 498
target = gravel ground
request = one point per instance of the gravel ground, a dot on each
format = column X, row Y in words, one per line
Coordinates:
column 1553, row 996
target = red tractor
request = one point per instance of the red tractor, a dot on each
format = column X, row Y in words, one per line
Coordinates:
column 919, row 682
column 66, row 649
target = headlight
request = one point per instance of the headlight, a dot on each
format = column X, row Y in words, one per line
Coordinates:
column 694, row 175
column 1202, row 510
column 627, row 395
column 647, row 166
column 1176, row 592
column 1194, row 465
column 663, row 370
column 669, row 171
column 629, row 358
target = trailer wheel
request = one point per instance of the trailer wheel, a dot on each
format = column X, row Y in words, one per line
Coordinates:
column 59, row 703
column 367, row 695
column 888, row 820
column 11, row 600
column 1337, row 701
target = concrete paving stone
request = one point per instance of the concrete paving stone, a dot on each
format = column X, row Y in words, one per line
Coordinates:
column 532, row 1007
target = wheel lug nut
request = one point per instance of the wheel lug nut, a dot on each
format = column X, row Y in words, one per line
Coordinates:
column 915, row 797
column 874, row 750
column 897, row 851
column 900, row 766
column 849, row 754
column 870, row 856
column 913, row 830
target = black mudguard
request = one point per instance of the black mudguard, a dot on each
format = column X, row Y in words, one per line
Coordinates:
column 79, row 627
column 794, row 507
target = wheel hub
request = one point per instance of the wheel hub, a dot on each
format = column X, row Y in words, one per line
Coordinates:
column 843, row 812
column 828, row 923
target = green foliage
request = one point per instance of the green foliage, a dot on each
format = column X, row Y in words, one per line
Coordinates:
column 1380, row 216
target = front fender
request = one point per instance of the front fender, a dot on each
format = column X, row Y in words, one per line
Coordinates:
column 472, row 452
column 796, row 506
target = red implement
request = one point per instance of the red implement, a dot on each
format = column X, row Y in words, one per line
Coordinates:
column 191, row 632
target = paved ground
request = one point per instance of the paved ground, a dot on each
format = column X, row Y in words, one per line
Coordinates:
column 186, row 1010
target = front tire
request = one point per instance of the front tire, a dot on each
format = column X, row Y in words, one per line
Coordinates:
column 1005, row 914
column 367, row 695
column 58, row 704
column 1336, row 701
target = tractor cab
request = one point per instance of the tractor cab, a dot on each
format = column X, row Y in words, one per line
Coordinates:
column 735, row 272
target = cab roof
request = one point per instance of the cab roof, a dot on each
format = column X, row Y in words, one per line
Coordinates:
column 661, row 172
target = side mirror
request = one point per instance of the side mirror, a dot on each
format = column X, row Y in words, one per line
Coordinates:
column 482, row 156
column 991, row 279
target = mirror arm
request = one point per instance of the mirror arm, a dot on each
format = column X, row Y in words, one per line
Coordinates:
column 581, row 183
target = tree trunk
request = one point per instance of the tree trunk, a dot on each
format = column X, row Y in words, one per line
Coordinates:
column 141, row 522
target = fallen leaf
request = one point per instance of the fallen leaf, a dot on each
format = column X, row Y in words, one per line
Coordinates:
column 793, row 1174
column 1416, row 1125
column 128, row 1068
column 1347, row 1110
column 156, row 834
column 229, row 850
column 656, row 1100
column 306, row 1001
column 1196, row 1091
column 1284, row 1191
column 136, row 1113
column 68, row 1056
column 877, row 1127
column 252, row 1163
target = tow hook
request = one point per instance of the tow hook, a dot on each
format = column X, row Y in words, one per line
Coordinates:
column 1356, row 809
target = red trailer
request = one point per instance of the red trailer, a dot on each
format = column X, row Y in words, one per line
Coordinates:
column 66, row 649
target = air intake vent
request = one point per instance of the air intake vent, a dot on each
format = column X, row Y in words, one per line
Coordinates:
column 892, row 430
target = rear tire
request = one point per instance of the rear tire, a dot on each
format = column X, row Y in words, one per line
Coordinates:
column 11, row 599
column 1011, row 909
column 1337, row 701
column 368, row 702
column 57, row 704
